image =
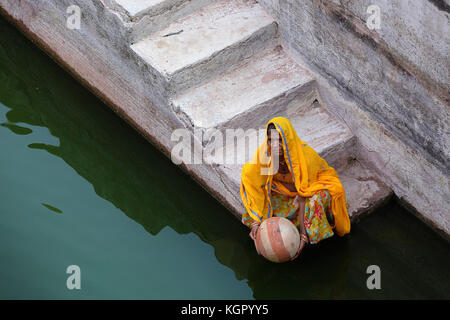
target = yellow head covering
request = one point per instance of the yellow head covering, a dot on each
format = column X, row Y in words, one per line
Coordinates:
column 309, row 171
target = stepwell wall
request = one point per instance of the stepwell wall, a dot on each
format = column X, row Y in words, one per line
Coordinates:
column 98, row 55
column 398, row 76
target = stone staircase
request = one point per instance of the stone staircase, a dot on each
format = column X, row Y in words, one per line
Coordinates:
column 223, row 67
column 207, row 43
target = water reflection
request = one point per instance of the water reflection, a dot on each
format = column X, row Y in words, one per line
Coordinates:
column 51, row 208
column 125, row 170
column 16, row 129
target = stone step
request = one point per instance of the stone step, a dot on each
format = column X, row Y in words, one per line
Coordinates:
column 144, row 17
column 332, row 140
column 363, row 190
column 208, row 42
column 322, row 131
column 314, row 124
column 136, row 9
column 247, row 97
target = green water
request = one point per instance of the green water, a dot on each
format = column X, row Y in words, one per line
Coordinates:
column 78, row 186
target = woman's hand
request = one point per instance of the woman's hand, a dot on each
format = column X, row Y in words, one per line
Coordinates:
column 303, row 242
column 254, row 231
column 300, row 248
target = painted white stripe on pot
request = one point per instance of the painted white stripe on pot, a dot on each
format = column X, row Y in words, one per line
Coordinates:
column 290, row 236
column 270, row 253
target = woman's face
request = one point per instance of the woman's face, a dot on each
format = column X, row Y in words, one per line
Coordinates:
column 275, row 143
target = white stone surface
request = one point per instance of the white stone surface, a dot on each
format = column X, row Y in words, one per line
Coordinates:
column 364, row 191
column 390, row 85
column 99, row 55
column 265, row 77
column 320, row 129
column 201, row 34
column 140, row 19
column 162, row 16
column 332, row 139
column 136, row 7
column 313, row 124
column 215, row 31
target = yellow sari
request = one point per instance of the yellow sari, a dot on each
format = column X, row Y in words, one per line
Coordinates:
column 310, row 172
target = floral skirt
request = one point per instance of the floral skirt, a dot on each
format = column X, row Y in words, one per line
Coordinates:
column 315, row 219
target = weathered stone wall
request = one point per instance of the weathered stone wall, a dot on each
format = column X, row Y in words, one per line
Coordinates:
column 98, row 55
column 395, row 102
column 398, row 75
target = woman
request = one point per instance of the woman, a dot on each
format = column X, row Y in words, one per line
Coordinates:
column 287, row 178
